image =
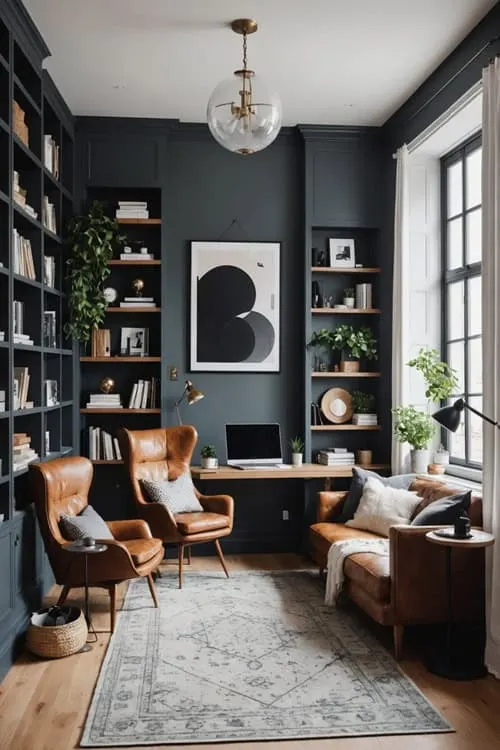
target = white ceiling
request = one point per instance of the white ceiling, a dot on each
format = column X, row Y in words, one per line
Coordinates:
column 332, row 61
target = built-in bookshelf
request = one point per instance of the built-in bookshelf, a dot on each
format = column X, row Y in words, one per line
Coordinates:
column 131, row 356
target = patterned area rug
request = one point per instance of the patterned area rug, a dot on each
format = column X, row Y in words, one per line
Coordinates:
column 255, row 657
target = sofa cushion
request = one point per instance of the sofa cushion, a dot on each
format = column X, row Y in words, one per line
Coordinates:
column 445, row 510
column 359, row 477
column 197, row 523
column 87, row 524
column 371, row 572
column 381, row 507
column 142, row 550
column 177, row 495
column 337, row 532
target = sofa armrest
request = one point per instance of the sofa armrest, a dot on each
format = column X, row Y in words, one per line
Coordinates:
column 133, row 529
column 419, row 586
column 223, row 504
column 328, row 505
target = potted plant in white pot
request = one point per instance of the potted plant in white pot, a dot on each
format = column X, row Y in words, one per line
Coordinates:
column 417, row 429
column 349, row 298
column 364, row 408
column 354, row 344
column 297, row 446
column 209, row 458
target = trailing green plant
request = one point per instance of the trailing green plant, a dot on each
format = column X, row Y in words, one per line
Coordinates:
column 363, row 403
column 413, row 426
column 322, row 338
column 92, row 240
column 440, row 379
column 208, row 451
column 349, row 292
column 297, row 445
column 359, row 342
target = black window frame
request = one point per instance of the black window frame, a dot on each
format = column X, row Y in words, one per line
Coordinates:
column 464, row 273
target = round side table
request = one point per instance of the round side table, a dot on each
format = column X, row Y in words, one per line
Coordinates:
column 78, row 547
column 445, row 665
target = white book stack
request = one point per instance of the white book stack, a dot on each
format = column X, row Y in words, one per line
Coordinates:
column 104, row 401
column 130, row 256
column 132, row 210
column 103, row 446
column 333, row 458
column 144, row 394
column 22, row 452
column 367, row 420
column 138, row 302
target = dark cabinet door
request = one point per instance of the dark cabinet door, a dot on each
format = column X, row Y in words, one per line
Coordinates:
column 123, row 160
column 5, row 577
column 24, row 556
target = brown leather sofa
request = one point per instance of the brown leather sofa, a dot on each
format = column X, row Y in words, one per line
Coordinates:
column 409, row 587
column 62, row 486
column 165, row 453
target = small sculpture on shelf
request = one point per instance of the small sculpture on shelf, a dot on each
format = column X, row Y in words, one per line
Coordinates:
column 107, row 385
column 138, row 287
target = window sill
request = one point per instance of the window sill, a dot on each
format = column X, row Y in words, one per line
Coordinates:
column 470, row 479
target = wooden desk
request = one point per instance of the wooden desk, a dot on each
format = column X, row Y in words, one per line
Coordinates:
column 306, row 471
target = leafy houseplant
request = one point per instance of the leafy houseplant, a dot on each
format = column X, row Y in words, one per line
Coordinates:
column 92, row 239
column 353, row 344
column 209, row 457
column 349, row 297
column 416, row 428
column 297, row 446
column 440, row 379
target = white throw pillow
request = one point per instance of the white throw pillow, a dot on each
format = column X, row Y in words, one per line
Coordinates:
column 381, row 507
column 177, row 495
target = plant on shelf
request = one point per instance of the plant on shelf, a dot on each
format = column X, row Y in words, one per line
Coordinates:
column 297, row 446
column 364, row 408
column 349, row 297
column 209, row 457
column 323, row 339
column 92, row 240
column 440, row 379
column 354, row 344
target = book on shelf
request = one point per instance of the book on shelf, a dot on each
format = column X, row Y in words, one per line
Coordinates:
column 104, row 401
column 22, row 256
column 49, row 215
column 2, row 335
column 329, row 458
column 2, row 400
column 132, row 210
column 103, row 446
column 20, row 388
column 51, row 155
column 139, row 302
column 144, row 394
column 137, row 256
column 49, row 270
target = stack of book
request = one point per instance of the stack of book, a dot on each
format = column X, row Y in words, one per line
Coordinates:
column 21, row 385
column 2, row 400
column 103, row 446
column 49, row 270
column 20, row 195
column 129, row 255
column 104, row 401
column 138, row 302
column 51, row 155
column 49, row 215
column 18, row 335
column 132, row 210
column 367, row 420
column 22, row 256
column 335, row 457
column 144, row 394
column 23, row 453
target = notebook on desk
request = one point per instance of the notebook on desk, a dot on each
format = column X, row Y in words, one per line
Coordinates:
column 254, row 446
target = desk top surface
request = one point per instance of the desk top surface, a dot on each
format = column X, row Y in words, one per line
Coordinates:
column 306, row 471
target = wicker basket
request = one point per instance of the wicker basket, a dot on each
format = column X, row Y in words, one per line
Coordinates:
column 54, row 642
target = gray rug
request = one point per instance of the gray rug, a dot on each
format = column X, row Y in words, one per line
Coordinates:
column 255, row 657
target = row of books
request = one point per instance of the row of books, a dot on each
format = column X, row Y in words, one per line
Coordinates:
column 22, row 256
column 21, row 386
column 317, row 416
column 144, row 394
column 132, row 210
column 49, row 215
column 22, row 452
column 20, row 195
column 51, row 155
column 335, row 457
column 103, row 446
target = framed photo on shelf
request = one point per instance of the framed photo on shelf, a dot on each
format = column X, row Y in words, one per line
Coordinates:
column 342, row 254
column 49, row 329
column 235, row 307
column 51, row 394
column 134, row 342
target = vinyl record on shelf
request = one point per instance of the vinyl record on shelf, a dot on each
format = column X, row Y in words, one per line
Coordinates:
column 336, row 405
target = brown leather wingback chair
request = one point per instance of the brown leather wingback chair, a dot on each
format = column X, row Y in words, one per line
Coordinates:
column 162, row 454
column 62, row 486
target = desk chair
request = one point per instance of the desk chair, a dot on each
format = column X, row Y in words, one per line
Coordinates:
column 165, row 453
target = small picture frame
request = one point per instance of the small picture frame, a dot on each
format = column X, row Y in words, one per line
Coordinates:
column 51, row 394
column 134, row 342
column 342, row 254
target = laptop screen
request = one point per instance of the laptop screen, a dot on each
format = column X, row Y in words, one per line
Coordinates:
column 253, row 443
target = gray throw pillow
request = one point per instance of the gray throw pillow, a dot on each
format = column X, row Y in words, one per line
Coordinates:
column 177, row 495
column 359, row 477
column 88, row 523
column 444, row 511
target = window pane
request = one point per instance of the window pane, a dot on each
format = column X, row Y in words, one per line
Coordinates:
column 456, row 360
column 456, row 310
column 456, row 444
column 455, row 247
column 473, row 179
column 473, row 250
column 475, row 436
column 475, row 366
column 455, row 188
column 475, row 302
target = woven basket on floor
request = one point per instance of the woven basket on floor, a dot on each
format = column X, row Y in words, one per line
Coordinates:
column 53, row 642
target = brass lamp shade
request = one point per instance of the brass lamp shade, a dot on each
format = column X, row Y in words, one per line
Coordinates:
column 192, row 394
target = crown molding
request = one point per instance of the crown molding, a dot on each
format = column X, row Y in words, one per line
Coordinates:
column 24, row 30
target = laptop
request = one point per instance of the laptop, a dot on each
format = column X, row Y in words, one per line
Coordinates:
column 254, row 446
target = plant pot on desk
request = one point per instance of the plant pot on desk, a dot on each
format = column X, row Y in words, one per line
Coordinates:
column 210, row 463
column 297, row 459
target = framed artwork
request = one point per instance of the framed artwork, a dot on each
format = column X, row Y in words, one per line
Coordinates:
column 51, row 397
column 235, row 307
column 341, row 253
column 134, row 342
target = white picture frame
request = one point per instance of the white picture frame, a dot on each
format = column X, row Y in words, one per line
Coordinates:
column 51, row 393
column 235, row 307
column 134, row 342
column 341, row 253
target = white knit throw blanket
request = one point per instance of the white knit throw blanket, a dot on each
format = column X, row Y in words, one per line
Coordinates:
column 336, row 556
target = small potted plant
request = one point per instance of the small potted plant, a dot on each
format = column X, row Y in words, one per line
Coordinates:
column 209, row 457
column 297, row 446
column 323, row 340
column 364, row 408
column 416, row 428
column 353, row 344
column 349, row 297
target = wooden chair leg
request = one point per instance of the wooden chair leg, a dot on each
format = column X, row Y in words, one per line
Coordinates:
column 180, row 554
column 221, row 556
column 112, row 605
column 397, row 633
column 63, row 595
column 152, row 589
column 188, row 550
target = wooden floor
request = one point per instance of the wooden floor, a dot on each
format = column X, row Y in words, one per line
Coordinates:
column 43, row 704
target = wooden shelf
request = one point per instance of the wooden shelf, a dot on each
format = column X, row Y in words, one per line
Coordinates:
column 102, row 461
column 133, row 309
column 134, row 263
column 120, row 359
column 317, row 374
column 343, row 427
column 119, row 411
column 139, row 221
column 345, row 311
column 327, row 269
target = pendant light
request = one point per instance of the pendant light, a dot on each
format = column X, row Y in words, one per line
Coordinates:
column 243, row 115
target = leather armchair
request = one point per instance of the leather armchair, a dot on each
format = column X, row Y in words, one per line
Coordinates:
column 62, row 486
column 165, row 453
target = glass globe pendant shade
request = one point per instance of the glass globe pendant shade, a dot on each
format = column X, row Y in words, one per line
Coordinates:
column 243, row 115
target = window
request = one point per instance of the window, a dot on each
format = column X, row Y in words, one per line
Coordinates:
column 461, row 239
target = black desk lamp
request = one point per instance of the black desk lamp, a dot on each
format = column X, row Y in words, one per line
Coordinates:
column 190, row 394
column 450, row 416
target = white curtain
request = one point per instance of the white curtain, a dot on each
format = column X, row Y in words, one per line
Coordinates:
column 491, row 353
column 401, row 301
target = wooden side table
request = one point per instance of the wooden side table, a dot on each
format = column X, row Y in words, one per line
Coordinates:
column 79, row 548
column 445, row 665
